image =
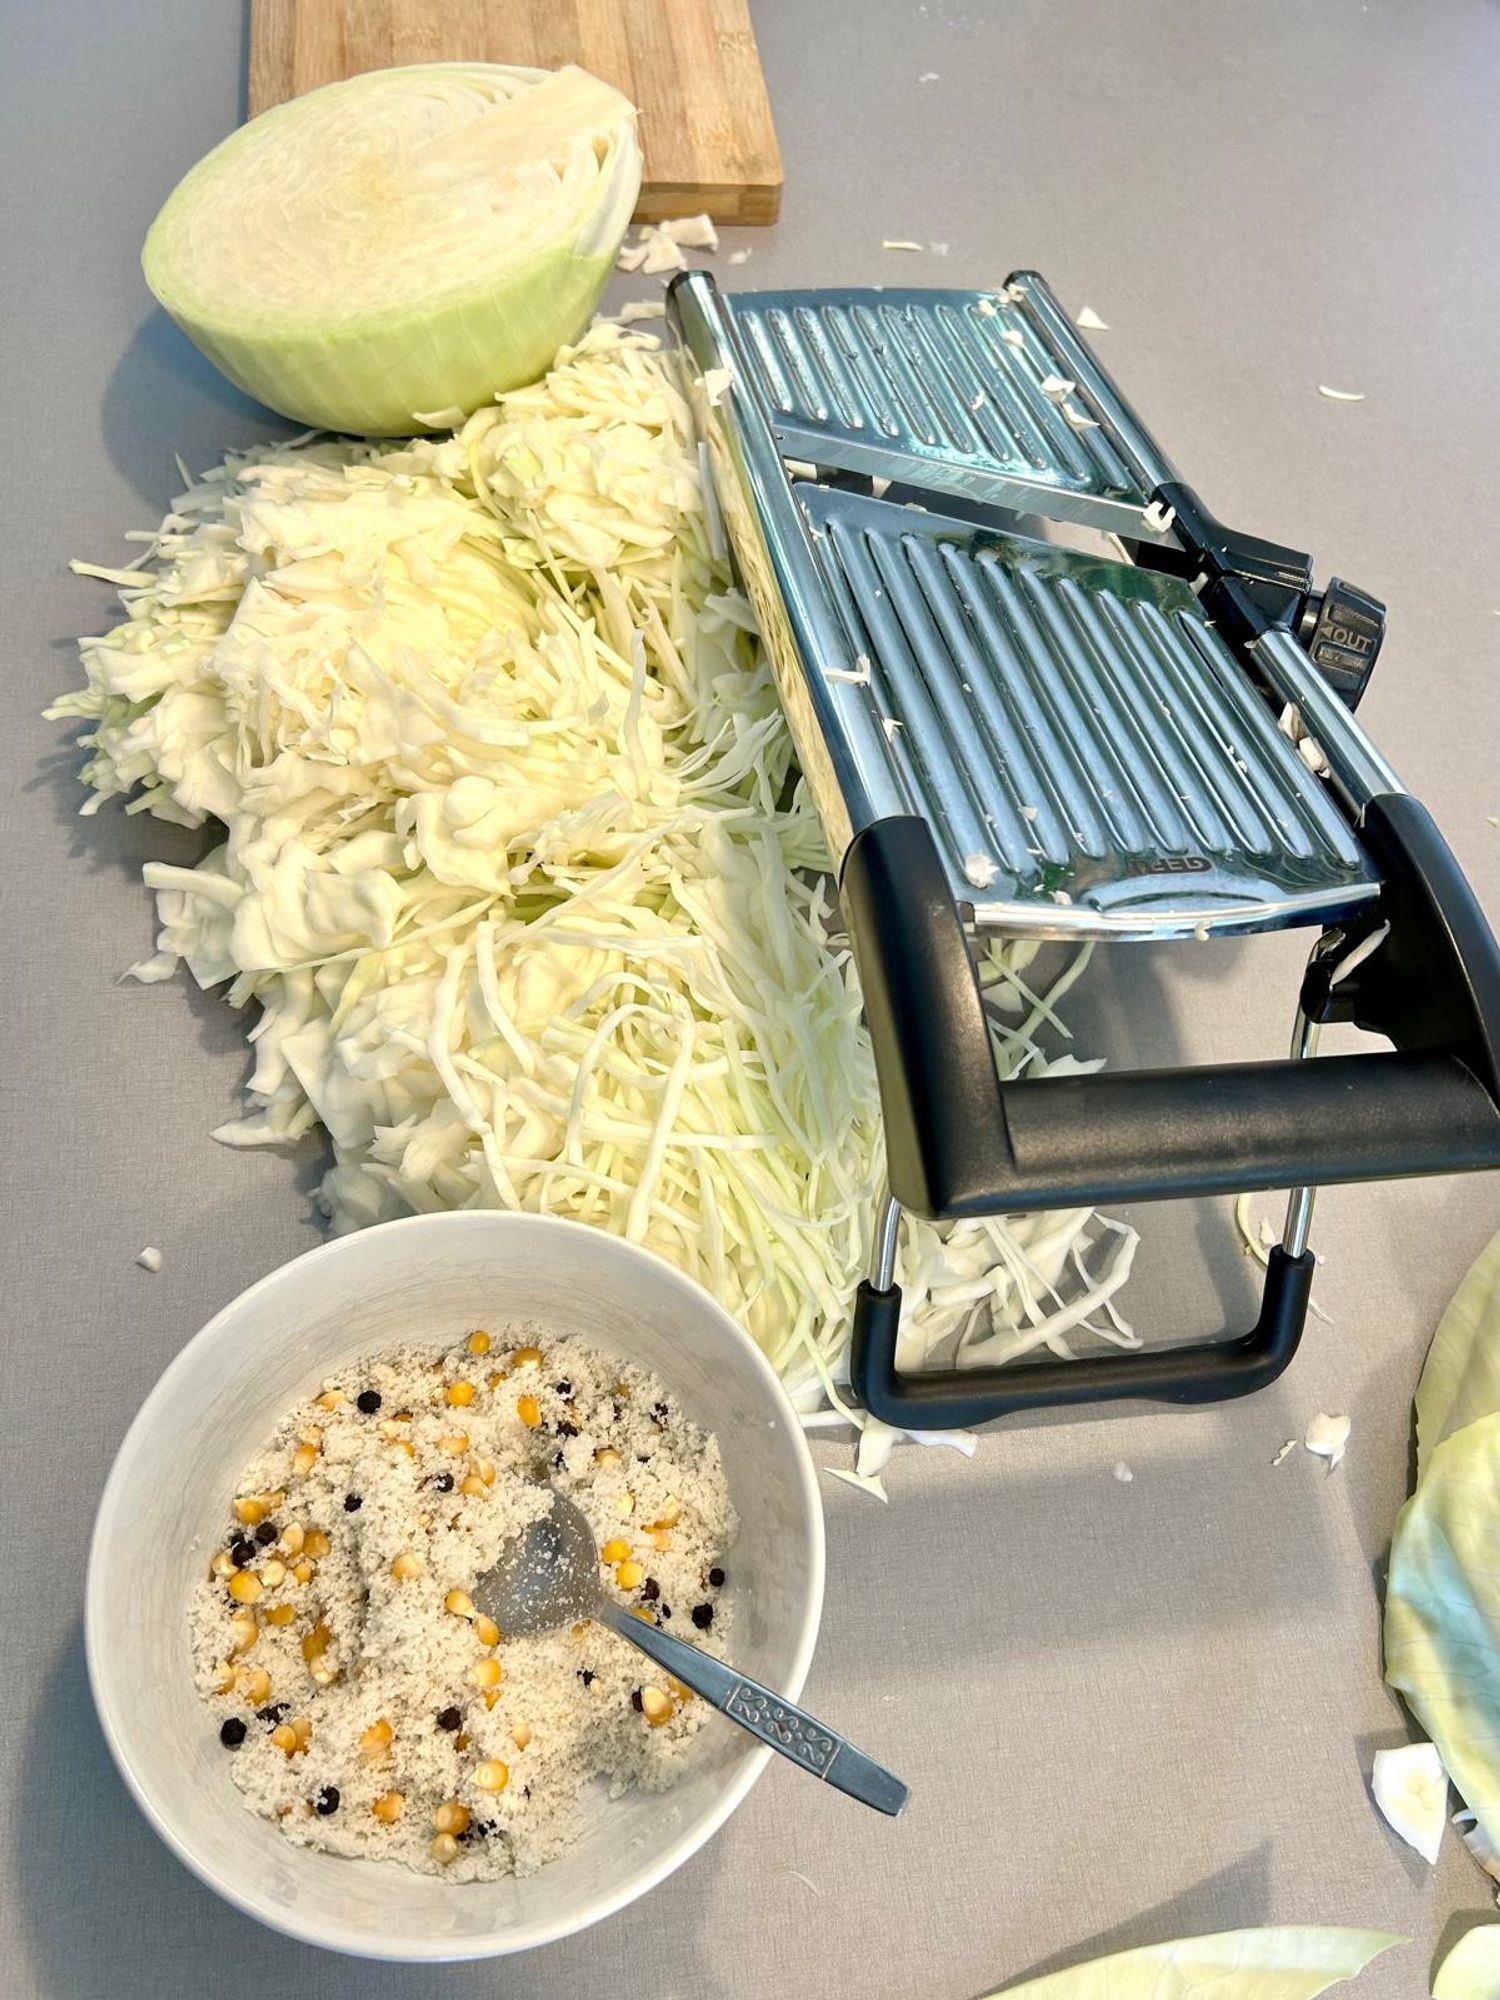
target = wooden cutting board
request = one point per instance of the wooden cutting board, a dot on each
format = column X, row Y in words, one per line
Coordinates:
column 690, row 66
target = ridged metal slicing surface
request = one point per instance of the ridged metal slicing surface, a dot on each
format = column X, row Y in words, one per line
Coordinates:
column 928, row 375
column 1076, row 723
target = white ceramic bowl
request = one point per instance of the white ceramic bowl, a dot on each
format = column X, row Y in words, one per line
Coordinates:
column 174, row 1477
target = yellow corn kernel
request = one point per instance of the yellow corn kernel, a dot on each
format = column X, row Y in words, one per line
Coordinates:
column 661, row 1540
column 245, row 1586
column 461, row 1741
column 244, row 1631
column 495, row 1377
column 408, row 1447
column 524, row 1355
column 622, row 1390
column 486, row 1673
column 251, row 1510
column 490, row 1697
column 424, row 1522
column 614, row 1551
column 275, row 1500
column 624, row 1505
column 225, row 1676
column 304, row 1571
column 292, row 1538
column 285, row 1738
column 485, row 1467
column 311, row 1435
column 478, row 1342
column 304, row 1458
column 486, row 1631
column 389, row 1807
column 302, row 1730
column 451, row 1817
column 325, row 1676
column 607, row 1455
column 680, row 1688
column 459, row 1394
column 521, row 1735
column 444, row 1849
column 656, row 1706
column 272, row 1573
column 455, row 1444
column 257, row 1687
column 630, row 1576
column 670, row 1515
column 459, row 1603
column 330, row 1399
column 406, row 1566
column 389, row 1429
column 316, row 1543
column 492, row 1776
column 471, row 1484
column 640, row 1611
column 376, row 1740
column 316, row 1642
column 529, row 1411
column 281, row 1614
column 222, row 1565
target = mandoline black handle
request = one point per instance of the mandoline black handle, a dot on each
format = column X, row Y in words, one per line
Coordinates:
column 961, row 1143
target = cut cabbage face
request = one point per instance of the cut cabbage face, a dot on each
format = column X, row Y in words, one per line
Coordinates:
column 1411, row 1790
column 409, row 241
column 1280, row 1962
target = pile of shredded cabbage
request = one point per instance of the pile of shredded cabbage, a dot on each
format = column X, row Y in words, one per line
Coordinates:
column 518, row 870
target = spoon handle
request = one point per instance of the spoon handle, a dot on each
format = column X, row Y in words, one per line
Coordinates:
column 810, row 1744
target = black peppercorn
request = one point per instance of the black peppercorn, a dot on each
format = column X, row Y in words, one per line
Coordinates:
column 232, row 1733
column 267, row 1533
column 587, row 1676
column 635, row 1700
column 651, row 1590
column 368, row 1400
column 567, row 1430
column 558, row 1461
column 241, row 1552
column 666, row 1610
column 443, row 1481
column 271, row 1714
column 703, row 1616
column 450, row 1718
column 353, row 1502
column 564, row 1389
column 716, row 1577
column 327, row 1801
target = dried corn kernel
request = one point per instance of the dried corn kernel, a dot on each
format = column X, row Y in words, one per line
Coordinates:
column 486, row 1673
column 461, row 1741
column 521, row 1735
column 311, row 1435
column 656, row 1706
column 492, row 1776
column 245, row 1586
column 304, row 1458
column 485, row 1467
column 285, row 1738
column 640, row 1611
column 316, row 1642
column 408, row 1447
column 444, row 1849
column 451, row 1817
column 304, row 1572
column 251, row 1510
column 330, row 1399
column 630, row 1575
column 281, row 1614
column 316, row 1543
column 272, row 1573
column 325, row 1676
column 257, row 1687
column 670, row 1515
column 388, row 1808
column 376, row 1740
column 490, row 1697
column 614, row 1551
column 478, row 1342
column 607, row 1455
column 222, row 1565
column 525, row 1355
column 529, row 1411
column 680, row 1688
column 225, row 1676
column 495, row 1377
column 244, row 1631
column 471, row 1484
column 455, row 1444
column 459, row 1394
column 302, row 1729
column 661, row 1540
column 406, row 1566
column 292, row 1538
column 486, row 1631
column 459, row 1603
column 624, row 1505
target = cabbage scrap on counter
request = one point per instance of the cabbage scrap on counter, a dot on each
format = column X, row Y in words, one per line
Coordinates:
column 516, row 865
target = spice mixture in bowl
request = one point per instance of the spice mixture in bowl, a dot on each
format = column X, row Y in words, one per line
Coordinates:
column 262, row 1476
column 370, row 1707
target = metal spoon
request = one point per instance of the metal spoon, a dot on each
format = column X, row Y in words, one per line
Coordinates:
column 549, row 1576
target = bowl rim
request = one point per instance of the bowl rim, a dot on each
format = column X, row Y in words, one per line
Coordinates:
column 331, row 1935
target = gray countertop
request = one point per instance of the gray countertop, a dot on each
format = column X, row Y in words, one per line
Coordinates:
column 1128, row 1711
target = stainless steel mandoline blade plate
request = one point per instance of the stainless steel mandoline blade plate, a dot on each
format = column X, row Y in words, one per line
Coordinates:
column 1091, row 757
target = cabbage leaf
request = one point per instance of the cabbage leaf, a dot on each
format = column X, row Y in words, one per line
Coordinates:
column 1278, row 1962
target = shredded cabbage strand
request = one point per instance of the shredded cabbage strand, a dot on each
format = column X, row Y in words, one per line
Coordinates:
column 516, row 864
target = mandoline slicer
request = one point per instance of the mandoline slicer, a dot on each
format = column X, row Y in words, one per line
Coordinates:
column 1005, row 736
